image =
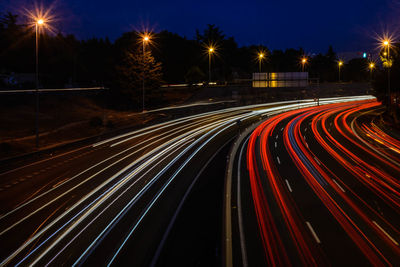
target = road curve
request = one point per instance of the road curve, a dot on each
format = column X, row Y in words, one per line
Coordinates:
column 316, row 186
column 113, row 202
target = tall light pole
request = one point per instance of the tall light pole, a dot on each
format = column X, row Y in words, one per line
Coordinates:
column 303, row 63
column 211, row 50
column 260, row 59
column 386, row 43
column 38, row 23
column 371, row 69
column 340, row 64
column 145, row 40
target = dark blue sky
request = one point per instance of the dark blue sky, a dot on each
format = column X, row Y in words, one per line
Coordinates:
column 348, row 25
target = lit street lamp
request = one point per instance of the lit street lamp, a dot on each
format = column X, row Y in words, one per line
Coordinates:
column 38, row 24
column 340, row 64
column 371, row 68
column 211, row 50
column 260, row 59
column 303, row 63
column 386, row 44
column 146, row 39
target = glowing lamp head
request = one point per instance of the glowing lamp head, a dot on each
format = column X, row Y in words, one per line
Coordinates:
column 386, row 43
column 261, row 55
column 303, row 60
column 146, row 38
column 340, row 63
column 211, row 50
column 371, row 66
column 40, row 21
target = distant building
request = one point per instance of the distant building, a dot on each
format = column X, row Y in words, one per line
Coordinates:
column 280, row 79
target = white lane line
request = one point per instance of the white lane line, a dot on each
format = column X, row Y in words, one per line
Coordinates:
column 282, row 129
column 341, row 188
column 276, row 137
column 313, row 232
column 386, row 233
column 276, row 144
column 279, row 161
column 240, row 213
column 288, row 185
column 317, row 160
column 305, row 129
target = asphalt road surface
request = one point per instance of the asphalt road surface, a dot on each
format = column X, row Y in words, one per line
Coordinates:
column 316, row 186
column 117, row 201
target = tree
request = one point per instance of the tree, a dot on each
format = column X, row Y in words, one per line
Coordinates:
column 135, row 66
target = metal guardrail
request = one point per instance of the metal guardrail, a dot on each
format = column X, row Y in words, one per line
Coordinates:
column 52, row 90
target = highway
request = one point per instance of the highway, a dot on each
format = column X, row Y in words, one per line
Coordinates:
column 315, row 186
column 115, row 202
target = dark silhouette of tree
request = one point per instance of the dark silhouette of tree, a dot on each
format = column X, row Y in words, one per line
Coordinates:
column 356, row 70
column 195, row 75
column 324, row 67
column 133, row 67
column 211, row 34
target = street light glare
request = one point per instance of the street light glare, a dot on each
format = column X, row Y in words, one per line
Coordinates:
column 211, row 50
column 386, row 43
column 340, row 63
column 146, row 38
column 261, row 55
column 40, row 21
column 304, row 60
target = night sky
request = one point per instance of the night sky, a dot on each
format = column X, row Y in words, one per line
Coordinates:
column 348, row 25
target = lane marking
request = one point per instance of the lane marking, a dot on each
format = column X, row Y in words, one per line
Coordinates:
column 276, row 144
column 313, row 233
column 276, row 137
column 386, row 233
column 341, row 188
column 279, row 161
column 288, row 185
column 317, row 160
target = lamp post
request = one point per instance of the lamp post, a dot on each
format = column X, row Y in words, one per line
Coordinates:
column 260, row 59
column 38, row 23
column 210, row 51
column 303, row 63
column 371, row 68
column 340, row 63
column 386, row 43
column 145, row 40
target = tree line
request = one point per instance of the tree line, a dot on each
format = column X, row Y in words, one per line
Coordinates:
column 169, row 58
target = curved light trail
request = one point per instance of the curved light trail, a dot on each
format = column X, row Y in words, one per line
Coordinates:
column 319, row 173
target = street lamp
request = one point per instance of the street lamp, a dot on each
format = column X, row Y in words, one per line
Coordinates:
column 386, row 44
column 145, row 40
column 340, row 64
column 211, row 50
column 371, row 68
column 260, row 59
column 303, row 63
column 38, row 23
